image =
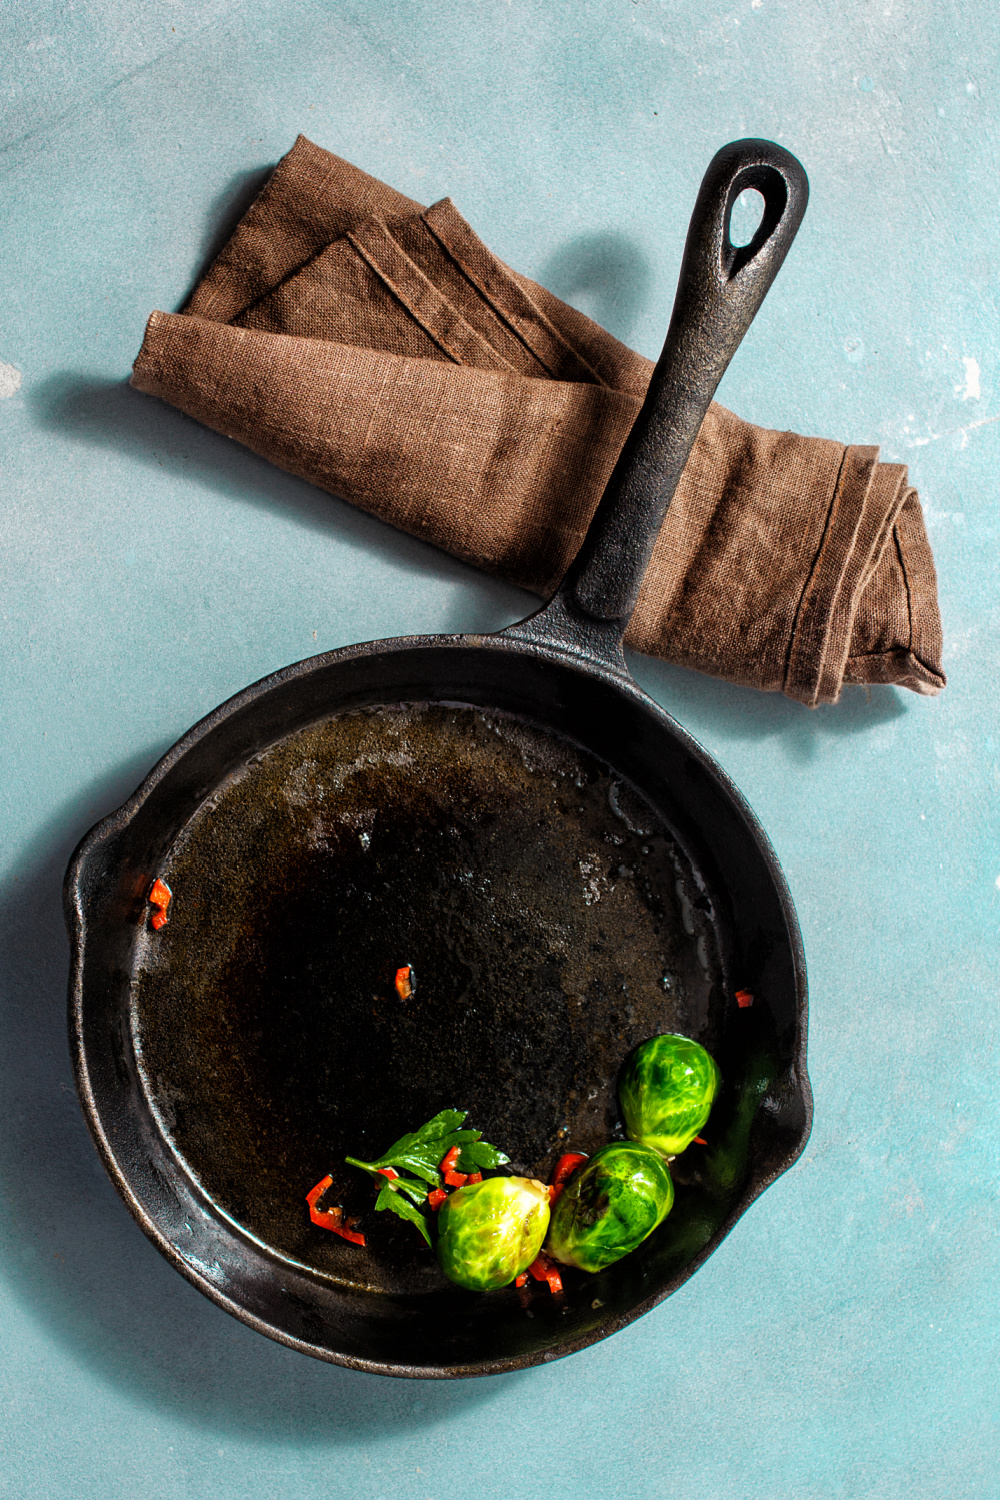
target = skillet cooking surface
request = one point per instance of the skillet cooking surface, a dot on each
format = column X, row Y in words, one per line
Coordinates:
column 231, row 1059
column 550, row 919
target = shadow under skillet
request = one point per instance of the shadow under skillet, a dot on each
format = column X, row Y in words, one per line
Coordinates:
column 82, row 1265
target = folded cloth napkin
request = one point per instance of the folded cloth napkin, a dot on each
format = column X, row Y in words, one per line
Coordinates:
column 381, row 351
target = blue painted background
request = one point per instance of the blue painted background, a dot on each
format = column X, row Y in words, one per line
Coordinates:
column 843, row 1341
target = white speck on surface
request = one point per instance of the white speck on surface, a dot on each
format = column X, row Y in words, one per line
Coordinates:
column 997, row 882
column 912, row 440
column 854, row 350
column 10, row 380
column 970, row 391
column 592, row 879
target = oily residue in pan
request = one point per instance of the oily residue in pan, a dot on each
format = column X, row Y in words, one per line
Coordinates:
column 550, row 920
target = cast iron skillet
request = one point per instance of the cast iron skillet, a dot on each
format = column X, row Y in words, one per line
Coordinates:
column 565, row 870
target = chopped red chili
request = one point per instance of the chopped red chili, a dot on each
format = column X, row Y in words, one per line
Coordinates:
column 520, row 1280
column 544, row 1269
column 449, row 1163
column 389, row 1172
column 404, row 982
column 565, row 1167
column 700, row 1140
column 744, row 998
column 474, row 1177
column 331, row 1218
column 159, row 896
column 435, row 1198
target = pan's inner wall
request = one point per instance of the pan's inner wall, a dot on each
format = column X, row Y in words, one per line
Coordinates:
column 550, row 920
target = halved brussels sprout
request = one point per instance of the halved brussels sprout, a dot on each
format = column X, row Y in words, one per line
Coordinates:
column 609, row 1206
column 491, row 1231
column 666, row 1091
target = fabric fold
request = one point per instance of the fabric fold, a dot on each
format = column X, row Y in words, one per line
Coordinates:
column 381, row 351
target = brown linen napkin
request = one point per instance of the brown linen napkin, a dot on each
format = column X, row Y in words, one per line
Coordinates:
column 381, row 351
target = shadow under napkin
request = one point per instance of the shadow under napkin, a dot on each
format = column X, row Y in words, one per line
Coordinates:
column 111, row 414
column 225, row 211
column 705, row 706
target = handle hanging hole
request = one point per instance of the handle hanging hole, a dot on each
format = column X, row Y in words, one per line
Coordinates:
column 748, row 210
column 757, row 199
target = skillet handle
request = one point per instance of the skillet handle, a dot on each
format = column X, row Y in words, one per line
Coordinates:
column 719, row 291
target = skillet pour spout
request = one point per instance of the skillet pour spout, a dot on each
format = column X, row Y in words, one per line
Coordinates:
column 564, row 868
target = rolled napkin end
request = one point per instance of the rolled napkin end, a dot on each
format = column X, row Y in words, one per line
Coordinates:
column 869, row 611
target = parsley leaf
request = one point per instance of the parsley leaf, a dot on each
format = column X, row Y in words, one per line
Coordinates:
column 478, row 1155
column 421, row 1153
column 414, row 1190
column 404, row 1208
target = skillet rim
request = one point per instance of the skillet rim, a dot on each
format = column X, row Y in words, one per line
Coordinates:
column 590, row 666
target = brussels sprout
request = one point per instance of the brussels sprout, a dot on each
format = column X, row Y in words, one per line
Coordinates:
column 489, row 1232
column 666, row 1092
column 610, row 1205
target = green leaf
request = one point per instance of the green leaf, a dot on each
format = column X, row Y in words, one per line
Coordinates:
column 423, row 1161
column 404, row 1208
column 414, row 1190
column 479, row 1155
column 422, row 1151
column 443, row 1124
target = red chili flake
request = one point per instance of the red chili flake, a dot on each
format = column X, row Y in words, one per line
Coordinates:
column 159, row 896
column 449, row 1163
column 544, row 1269
column 331, row 1218
column 389, row 1172
column 744, row 998
column 700, row 1141
column 565, row 1167
column 405, row 982
column 520, row 1280
column 435, row 1198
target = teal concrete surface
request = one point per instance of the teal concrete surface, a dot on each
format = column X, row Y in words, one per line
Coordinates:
column 843, row 1341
